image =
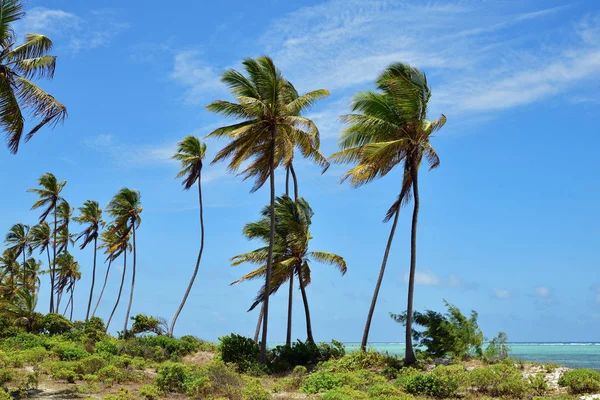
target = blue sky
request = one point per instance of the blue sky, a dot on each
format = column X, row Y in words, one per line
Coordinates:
column 509, row 223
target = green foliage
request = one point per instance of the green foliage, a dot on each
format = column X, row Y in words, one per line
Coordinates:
column 171, row 377
column 357, row 360
column 4, row 395
column 157, row 348
column 321, row 381
column 107, row 346
column 239, row 350
column 65, row 374
column 441, row 382
column 69, row 351
column 538, row 383
column 499, row 380
column 308, row 354
column 150, row 392
column 343, row 393
column 112, row 374
column 147, row 324
column 55, row 324
column 90, row 365
column 497, row 349
column 255, row 391
column 580, row 381
column 122, row 394
column 94, row 329
column 23, row 341
column 446, row 334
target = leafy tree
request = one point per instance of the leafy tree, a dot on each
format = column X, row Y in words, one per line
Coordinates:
column 290, row 252
column 32, row 269
column 450, row 334
column 126, row 208
column 18, row 239
column 390, row 128
column 20, row 65
column 191, row 152
column 270, row 127
column 49, row 196
column 91, row 215
column 21, row 308
column 143, row 324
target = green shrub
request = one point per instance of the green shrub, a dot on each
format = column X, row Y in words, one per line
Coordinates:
column 222, row 377
column 201, row 345
column 94, row 329
column 34, row 355
column 4, row 395
column 343, row 393
column 356, row 360
column 550, row 367
column 171, row 377
column 383, row 391
column 499, row 380
column 320, row 382
column 90, row 365
column 55, row 324
column 6, row 375
column 69, row 352
column 24, row 341
column 197, row 385
column 435, row 384
column 255, row 391
column 122, row 394
column 150, row 392
column 239, row 350
column 107, row 346
column 112, row 374
column 497, row 349
column 158, row 348
column 148, row 324
column 65, row 374
column 580, row 381
column 538, row 383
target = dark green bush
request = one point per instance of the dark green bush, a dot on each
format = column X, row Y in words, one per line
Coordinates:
column 285, row 358
column 499, row 380
column 90, row 365
column 148, row 324
column 239, row 350
column 150, row 392
column 580, row 381
column 23, row 341
column 158, row 348
column 69, row 351
column 172, row 376
column 94, row 329
column 435, row 384
column 55, row 324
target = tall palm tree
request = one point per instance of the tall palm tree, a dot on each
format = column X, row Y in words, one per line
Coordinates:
column 32, row 270
column 270, row 127
column 110, row 243
column 9, row 274
column 41, row 237
column 18, row 239
column 49, row 196
column 65, row 238
column 191, row 152
column 290, row 252
column 90, row 214
column 390, row 127
column 119, row 244
column 67, row 268
column 20, row 308
column 19, row 65
column 126, row 207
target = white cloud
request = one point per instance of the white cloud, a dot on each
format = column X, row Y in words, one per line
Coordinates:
column 424, row 278
column 200, row 79
column 136, row 155
column 97, row 29
column 543, row 292
column 502, row 294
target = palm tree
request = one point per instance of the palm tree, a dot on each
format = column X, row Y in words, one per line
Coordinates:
column 126, row 208
column 266, row 136
column 18, row 240
column 67, row 268
column 49, row 196
column 390, row 127
column 9, row 273
column 110, row 244
column 64, row 213
column 32, row 271
column 119, row 244
column 90, row 214
column 20, row 308
column 41, row 237
column 290, row 252
column 191, row 152
column 19, row 65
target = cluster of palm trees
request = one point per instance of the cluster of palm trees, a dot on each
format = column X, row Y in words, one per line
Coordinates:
column 387, row 128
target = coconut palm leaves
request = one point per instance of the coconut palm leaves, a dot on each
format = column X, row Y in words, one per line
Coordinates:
column 291, row 255
column 19, row 65
column 20, row 308
column 64, row 238
column 191, row 152
column 270, row 126
column 116, row 243
column 68, row 275
column 49, row 196
column 18, row 240
column 389, row 128
column 90, row 215
column 125, row 207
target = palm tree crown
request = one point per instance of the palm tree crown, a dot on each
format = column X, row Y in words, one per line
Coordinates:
column 190, row 152
column 49, row 194
column 125, row 207
column 18, row 66
column 90, row 214
column 18, row 239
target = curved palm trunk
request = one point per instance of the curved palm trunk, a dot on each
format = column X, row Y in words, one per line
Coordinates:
column 24, row 269
column 53, row 267
column 288, row 337
column 263, row 344
column 258, row 324
column 120, row 290
column 71, row 301
column 87, row 314
column 189, row 288
column 365, row 338
column 132, row 286
column 409, row 357
column 309, row 334
column 103, row 287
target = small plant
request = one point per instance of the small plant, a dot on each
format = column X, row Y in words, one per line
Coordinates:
column 255, row 391
column 150, row 392
column 538, row 383
column 239, row 350
column 497, row 349
column 580, row 381
column 171, row 377
column 112, row 374
column 55, row 324
column 122, row 394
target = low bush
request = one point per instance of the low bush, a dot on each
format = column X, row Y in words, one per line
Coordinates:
column 239, row 350
column 171, row 377
column 357, row 360
column 122, row 394
column 343, row 393
column 499, row 380
column 580, row 381
column 320, row 382
column 55, row 324
column 255, row 391
column 538, row 383
column 90, row 365
column 112, row 374
column 107, row 346
column 441, row 383
column 150, row 392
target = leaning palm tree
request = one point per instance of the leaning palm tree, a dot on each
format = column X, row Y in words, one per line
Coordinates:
column 9, row 274
column 41, row 237
column 191, row 152
column 290, row 252
column 66, row 267
column 32, row 270
column 90, row 214
column 126, row 208
column 64, row 238
column 270, row 127
column 20, row 308
column 110, row 243
column 49, row 196
column 119, row 244
column 20, row 65
column 390, row 127
column 18, row 239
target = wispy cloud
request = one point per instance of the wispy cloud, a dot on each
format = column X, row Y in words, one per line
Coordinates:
column 502, row 294
column 131, row 155
column 543, row 296
column 424, row 278
column 200, row 79
column 96, row 29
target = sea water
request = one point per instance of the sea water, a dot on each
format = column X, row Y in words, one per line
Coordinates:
column 574, row 355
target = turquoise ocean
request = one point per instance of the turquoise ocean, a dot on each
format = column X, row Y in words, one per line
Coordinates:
column 574, row 355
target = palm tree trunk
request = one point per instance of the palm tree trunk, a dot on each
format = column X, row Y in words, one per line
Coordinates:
column 258, row 324
column 309, row 334
column 189, row 288
column 72, row 294
column 365, row 338
column 120, row 289
column 288, row 337
column 87, row 314
column 295, row 179
column 24, row 269
column 132, row 285
column 103, row 287
column 53, row 269
column 263, row 344
column 409, row 357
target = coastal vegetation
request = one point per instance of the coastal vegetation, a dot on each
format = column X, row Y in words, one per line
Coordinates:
column 388, row 129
